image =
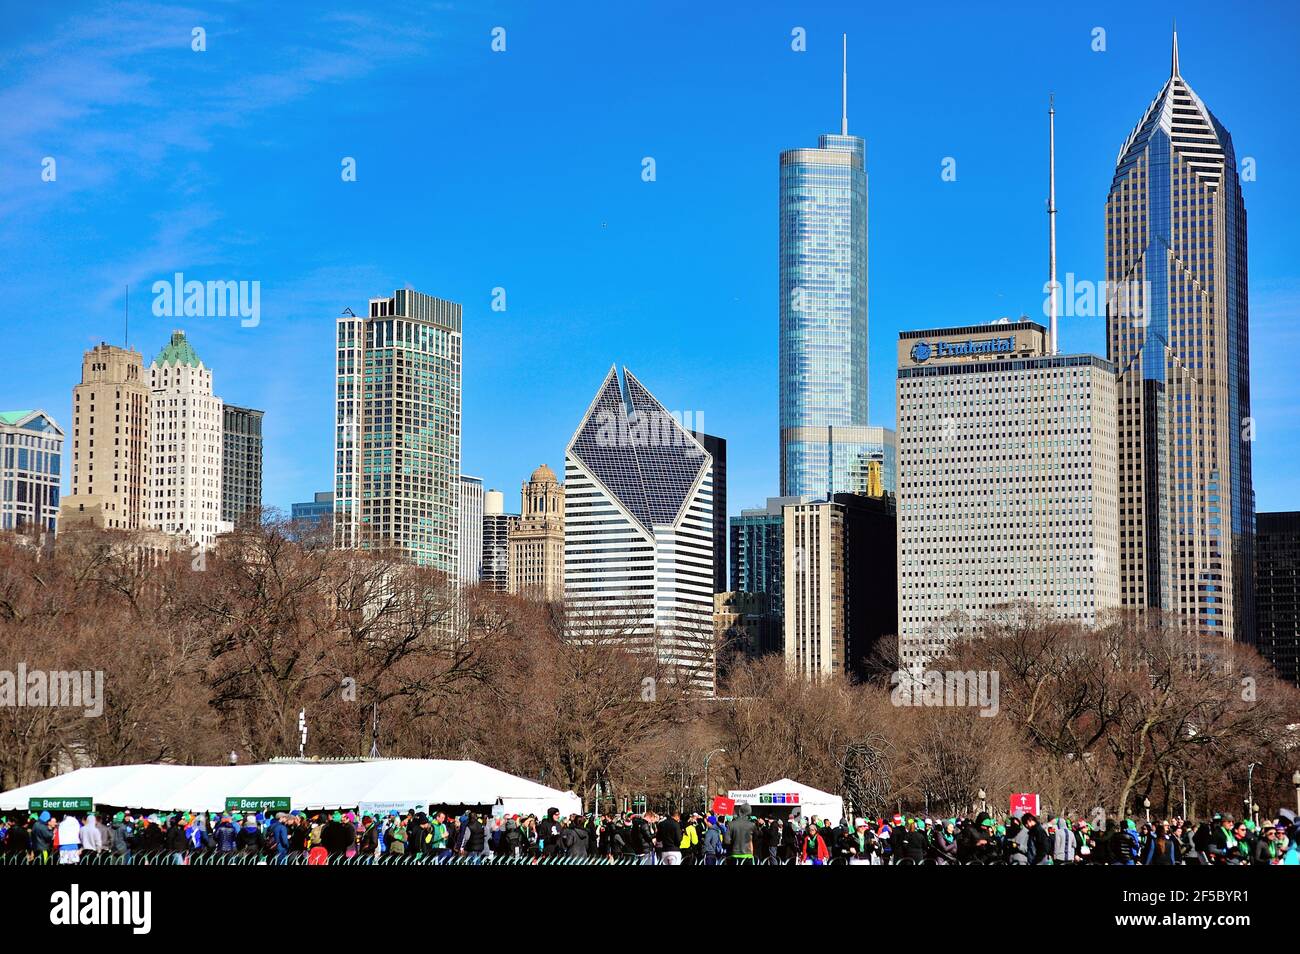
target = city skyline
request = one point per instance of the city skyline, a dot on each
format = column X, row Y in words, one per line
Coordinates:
column 298, row 444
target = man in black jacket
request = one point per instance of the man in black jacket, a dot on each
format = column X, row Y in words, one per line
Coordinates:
column 669, row 837
column 337, row 836
column 548, row 833
column 642, row 839
column 473, row 837
column 1040, row 851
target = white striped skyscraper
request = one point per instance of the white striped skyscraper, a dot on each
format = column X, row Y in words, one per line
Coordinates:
column 638, row 530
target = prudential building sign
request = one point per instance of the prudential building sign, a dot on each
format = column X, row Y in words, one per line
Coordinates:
column 924, row 351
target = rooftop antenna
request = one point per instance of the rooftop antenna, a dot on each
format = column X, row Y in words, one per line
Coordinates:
column 844, row 89
column 1051, row 215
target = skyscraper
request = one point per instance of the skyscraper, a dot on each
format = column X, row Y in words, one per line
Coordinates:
column 471, row 529
column 31, row 456
column 840, row 582
column 110, row 442
column 497, row 525
column 1277, row 588
column 1006, row 481
column 756, row 554
column 1177, row 323
column 823, row 313
column 537, row 541
column 717, row 448
column 397, row 434
column 241, row 463
column 638, row 529
column 186, row 421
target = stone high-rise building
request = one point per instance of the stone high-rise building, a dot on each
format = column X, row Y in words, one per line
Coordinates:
column 187, row 427
column 537, row 542
column 839, row 580
column 111, row 440
column 1006, row 481
column 1177, row 327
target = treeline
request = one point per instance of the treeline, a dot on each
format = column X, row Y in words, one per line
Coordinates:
column 205, row 657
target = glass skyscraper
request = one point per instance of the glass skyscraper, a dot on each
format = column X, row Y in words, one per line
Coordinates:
column 31, row 451
column 823, row 317
column 397, row 433
column 1177, row 323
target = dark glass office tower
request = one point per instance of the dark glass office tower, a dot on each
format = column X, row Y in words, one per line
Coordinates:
column 1277, row 591
column 1177, row 321
column 717, row 448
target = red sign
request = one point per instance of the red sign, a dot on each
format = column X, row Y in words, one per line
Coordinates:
column 1024, row 802
column 724, row 806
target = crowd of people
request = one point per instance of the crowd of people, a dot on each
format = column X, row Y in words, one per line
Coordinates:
column 442, row 836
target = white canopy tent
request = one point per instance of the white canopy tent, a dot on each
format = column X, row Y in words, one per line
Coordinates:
column 788, row 794
column 307, row 785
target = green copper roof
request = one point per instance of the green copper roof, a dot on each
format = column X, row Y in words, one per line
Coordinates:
column 178, row 351
column 12, row 417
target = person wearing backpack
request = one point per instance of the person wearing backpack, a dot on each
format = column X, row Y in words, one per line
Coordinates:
column 712, row 842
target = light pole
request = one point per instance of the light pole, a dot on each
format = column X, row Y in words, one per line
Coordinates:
column 706, row 777
column 1250, row 790
column 984, row 805
column 1295, row 780
column 1146, row 804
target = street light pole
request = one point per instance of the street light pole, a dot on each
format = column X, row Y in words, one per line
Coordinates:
column 1250, row 790
column 1295, row 780
column 706, row 777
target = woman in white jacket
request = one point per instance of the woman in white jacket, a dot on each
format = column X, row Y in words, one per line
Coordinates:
column 69, row 840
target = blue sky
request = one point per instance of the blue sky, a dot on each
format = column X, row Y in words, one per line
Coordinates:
column 522, row 170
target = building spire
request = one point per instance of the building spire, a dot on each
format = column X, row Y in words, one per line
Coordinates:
column 1173, row 67
column 1051, row 215
column 844, row 90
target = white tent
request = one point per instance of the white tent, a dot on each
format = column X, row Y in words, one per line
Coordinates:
column 787, row 793
column 307, row 785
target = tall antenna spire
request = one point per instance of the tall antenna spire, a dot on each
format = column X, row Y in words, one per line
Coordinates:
column 844, row 90
column 1051, row 215
column 1173, row 66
